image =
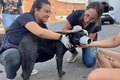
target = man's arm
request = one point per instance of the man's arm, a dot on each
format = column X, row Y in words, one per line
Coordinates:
column 0, row 8
column 0, row 13
column 20, row 9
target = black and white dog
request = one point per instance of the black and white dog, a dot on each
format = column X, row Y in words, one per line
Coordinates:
column 34, row 49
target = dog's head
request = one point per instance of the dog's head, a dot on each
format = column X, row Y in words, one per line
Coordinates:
column 78, row 37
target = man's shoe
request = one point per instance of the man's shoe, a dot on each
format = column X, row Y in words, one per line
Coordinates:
column 34, row 72
column 72, row 57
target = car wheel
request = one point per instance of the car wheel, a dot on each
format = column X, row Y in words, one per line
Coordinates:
column 112, row 22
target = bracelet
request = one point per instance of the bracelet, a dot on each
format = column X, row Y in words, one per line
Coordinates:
column 60, row 37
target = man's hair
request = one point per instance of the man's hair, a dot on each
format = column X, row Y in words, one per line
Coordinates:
column 97, row 6
column 38, row 4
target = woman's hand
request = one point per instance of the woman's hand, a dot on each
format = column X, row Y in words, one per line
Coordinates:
column 115, row 63
column 76, row 28
column 65, row 40
column 82, row 46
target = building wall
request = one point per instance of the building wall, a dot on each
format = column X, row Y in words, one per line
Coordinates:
column 62, row 9
column 27, row 4
column 116, row 5
column 59, row 9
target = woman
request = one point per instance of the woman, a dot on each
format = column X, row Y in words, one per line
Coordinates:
column 109, row 61
column 88, row 20
column 33, row 22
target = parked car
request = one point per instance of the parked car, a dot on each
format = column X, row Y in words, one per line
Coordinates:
column 108, row 16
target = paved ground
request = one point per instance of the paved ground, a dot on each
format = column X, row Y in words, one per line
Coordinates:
column 74, row 71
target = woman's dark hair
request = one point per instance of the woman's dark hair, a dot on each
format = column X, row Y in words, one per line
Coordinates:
column 38, row 4
column 97, row 6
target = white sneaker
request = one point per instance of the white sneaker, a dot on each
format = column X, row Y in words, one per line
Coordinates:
column 72, row 58
column 34, row 72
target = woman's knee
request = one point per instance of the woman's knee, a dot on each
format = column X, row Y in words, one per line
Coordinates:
column 91, row 76
column 90, row 63
column 94, row 75
column 89, row 58
column 13, row 57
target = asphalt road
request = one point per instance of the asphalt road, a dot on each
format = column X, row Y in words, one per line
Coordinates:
column 74, row 71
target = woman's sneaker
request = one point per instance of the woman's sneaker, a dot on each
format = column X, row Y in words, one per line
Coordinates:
column 72, row 57
column 34, row 72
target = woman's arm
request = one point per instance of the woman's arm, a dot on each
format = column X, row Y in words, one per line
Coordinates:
column 107, row 43
column 41, row 32
column 20, row 9
column 92, row 35
column 67, row 27
column 47, row 34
